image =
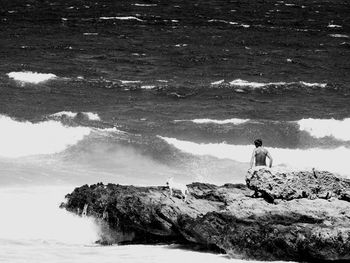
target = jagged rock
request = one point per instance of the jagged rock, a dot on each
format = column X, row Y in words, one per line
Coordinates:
column 226, row 218
column 313, row 184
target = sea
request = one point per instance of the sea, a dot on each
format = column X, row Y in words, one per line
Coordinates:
column 137, row 91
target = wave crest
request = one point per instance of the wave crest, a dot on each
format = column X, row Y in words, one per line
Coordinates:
column 319, row 128
column 244, row 83
column 322, row 159
column 19, row 139
column 31, row 77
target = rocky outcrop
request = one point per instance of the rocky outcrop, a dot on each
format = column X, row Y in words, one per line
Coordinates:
column 232, row 218
column 313, row 184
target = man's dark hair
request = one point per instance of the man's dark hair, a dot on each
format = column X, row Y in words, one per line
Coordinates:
column 258, row 142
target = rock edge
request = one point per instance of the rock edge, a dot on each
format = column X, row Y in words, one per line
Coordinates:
column 275, row 217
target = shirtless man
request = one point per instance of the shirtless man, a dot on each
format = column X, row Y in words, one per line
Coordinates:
column 259, row 155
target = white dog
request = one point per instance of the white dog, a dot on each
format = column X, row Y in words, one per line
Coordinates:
column 182, row 187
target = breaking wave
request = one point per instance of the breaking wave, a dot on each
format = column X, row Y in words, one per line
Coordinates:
column 322, row 159
column 319, row 128
column 90, row 115
column 31, row 77
column 26, row 138
column 34, row 214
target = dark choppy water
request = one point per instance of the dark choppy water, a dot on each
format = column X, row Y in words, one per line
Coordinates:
column 188, row 44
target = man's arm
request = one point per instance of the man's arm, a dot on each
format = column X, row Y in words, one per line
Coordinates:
column 252, row 160
column 270, row 157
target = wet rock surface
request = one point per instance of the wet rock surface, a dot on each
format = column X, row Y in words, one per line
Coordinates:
column 231, row 218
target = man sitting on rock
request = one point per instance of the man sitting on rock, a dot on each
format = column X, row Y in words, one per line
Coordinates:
column 259, row 155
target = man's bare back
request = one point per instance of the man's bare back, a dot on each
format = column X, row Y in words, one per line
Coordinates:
column 259, row 155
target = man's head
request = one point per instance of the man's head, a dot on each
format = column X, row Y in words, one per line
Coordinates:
column 258, row 143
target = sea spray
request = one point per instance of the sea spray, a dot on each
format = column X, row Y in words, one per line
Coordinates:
column 26, row 138
column 319, row 128
column 292, row 158
column 33, row 214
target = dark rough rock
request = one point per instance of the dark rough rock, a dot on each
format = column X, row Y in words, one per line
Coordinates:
column 293, row 185
column 229, row 218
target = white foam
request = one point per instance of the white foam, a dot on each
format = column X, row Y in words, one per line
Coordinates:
column 322, row 85
column 90, row 34
column 110, row 130
column 319, row 128
column 245, row 83
column 145, row 5
column 64, row 113
column 33, row 213
column 334, row 26
column 181, row 45
column 120, row 18
column 339, row 35
column 91, row 115
column 235, row 121
column 333, row 160
column 31, row 77
column 130, row 81
column 218, row 82
column 25, row 138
